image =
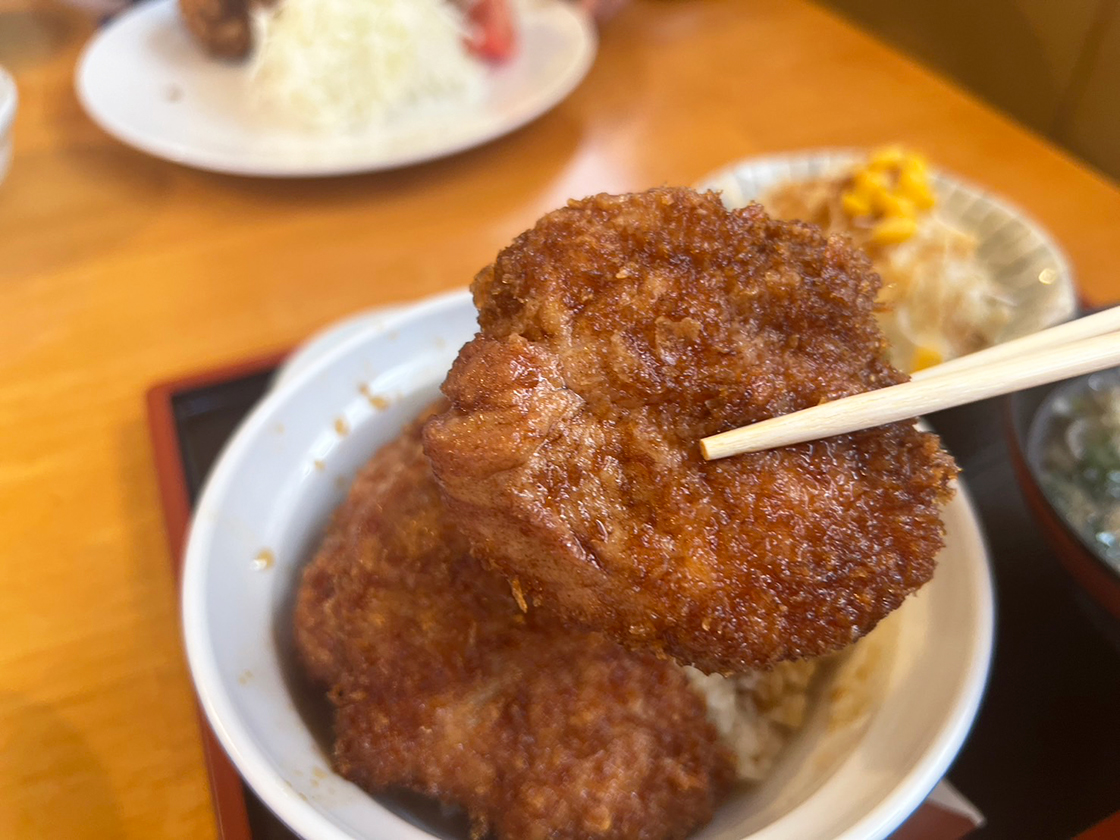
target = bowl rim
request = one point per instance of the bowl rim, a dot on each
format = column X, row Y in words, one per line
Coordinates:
column 1090, row 571
column 928, row 772
column 908, row 792
column 209, row 685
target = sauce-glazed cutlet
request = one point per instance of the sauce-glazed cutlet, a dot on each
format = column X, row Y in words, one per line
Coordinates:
column 614, row 335
column 221, row 27
column 443, row 685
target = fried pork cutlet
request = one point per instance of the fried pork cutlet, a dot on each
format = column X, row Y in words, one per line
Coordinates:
column 614, row 335
column 224, row 29
column 442, row 685
column 220, row 26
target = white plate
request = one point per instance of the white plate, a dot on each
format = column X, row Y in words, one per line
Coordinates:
column 267, row 492
column 1029, row 268
column 145, row 81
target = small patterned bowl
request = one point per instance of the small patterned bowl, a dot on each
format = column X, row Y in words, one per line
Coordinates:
column 1026, row 262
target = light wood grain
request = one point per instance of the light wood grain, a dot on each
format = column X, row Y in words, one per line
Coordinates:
column 117, row 270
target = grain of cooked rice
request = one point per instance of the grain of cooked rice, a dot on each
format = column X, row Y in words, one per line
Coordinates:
column 756, row 713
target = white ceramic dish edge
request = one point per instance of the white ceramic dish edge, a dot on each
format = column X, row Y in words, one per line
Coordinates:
column 217, row 705
column 906, row 798
column 330, row 336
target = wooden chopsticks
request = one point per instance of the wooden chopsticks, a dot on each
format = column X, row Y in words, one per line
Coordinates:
column 1068, row 350
column 1099, row 323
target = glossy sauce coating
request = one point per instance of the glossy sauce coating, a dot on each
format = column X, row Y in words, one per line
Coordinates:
column 614, row 335
column 442, row 684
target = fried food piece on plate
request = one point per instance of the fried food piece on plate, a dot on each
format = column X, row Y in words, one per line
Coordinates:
column 614, row 335
column 443, row 685
column 224, row 29
column 220, row 26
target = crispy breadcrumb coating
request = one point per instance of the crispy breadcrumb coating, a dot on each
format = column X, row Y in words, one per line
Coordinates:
column 615, row 334
column 444, row 686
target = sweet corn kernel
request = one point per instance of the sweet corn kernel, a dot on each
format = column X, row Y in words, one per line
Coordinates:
column 867, row 182
column 855, row 204
column 892, row 204
column 913, row 183
column 917, row 162
column 893, row 230
column 924, row 357
column 892, row 185
column 887, row 157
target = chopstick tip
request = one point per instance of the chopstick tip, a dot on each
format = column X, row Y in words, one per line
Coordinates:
column 705, row 452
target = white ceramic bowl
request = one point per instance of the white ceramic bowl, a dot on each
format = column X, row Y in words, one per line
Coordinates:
column 9, row 100
column 927, row 664
column 1028, row 267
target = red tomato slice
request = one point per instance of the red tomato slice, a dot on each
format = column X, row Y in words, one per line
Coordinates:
column 492, row 35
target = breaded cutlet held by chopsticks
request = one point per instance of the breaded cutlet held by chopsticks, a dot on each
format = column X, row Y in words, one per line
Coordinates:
column 615, row 334
column 1062, row 352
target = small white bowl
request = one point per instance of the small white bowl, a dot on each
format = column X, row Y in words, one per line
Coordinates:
column 1028, row 267
column 9, row 101
column 856, row 778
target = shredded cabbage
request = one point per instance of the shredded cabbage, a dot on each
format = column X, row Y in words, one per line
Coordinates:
column 343, row 64
column 940, row 300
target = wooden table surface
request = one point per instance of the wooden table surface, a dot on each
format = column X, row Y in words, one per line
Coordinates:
column 118, row 270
